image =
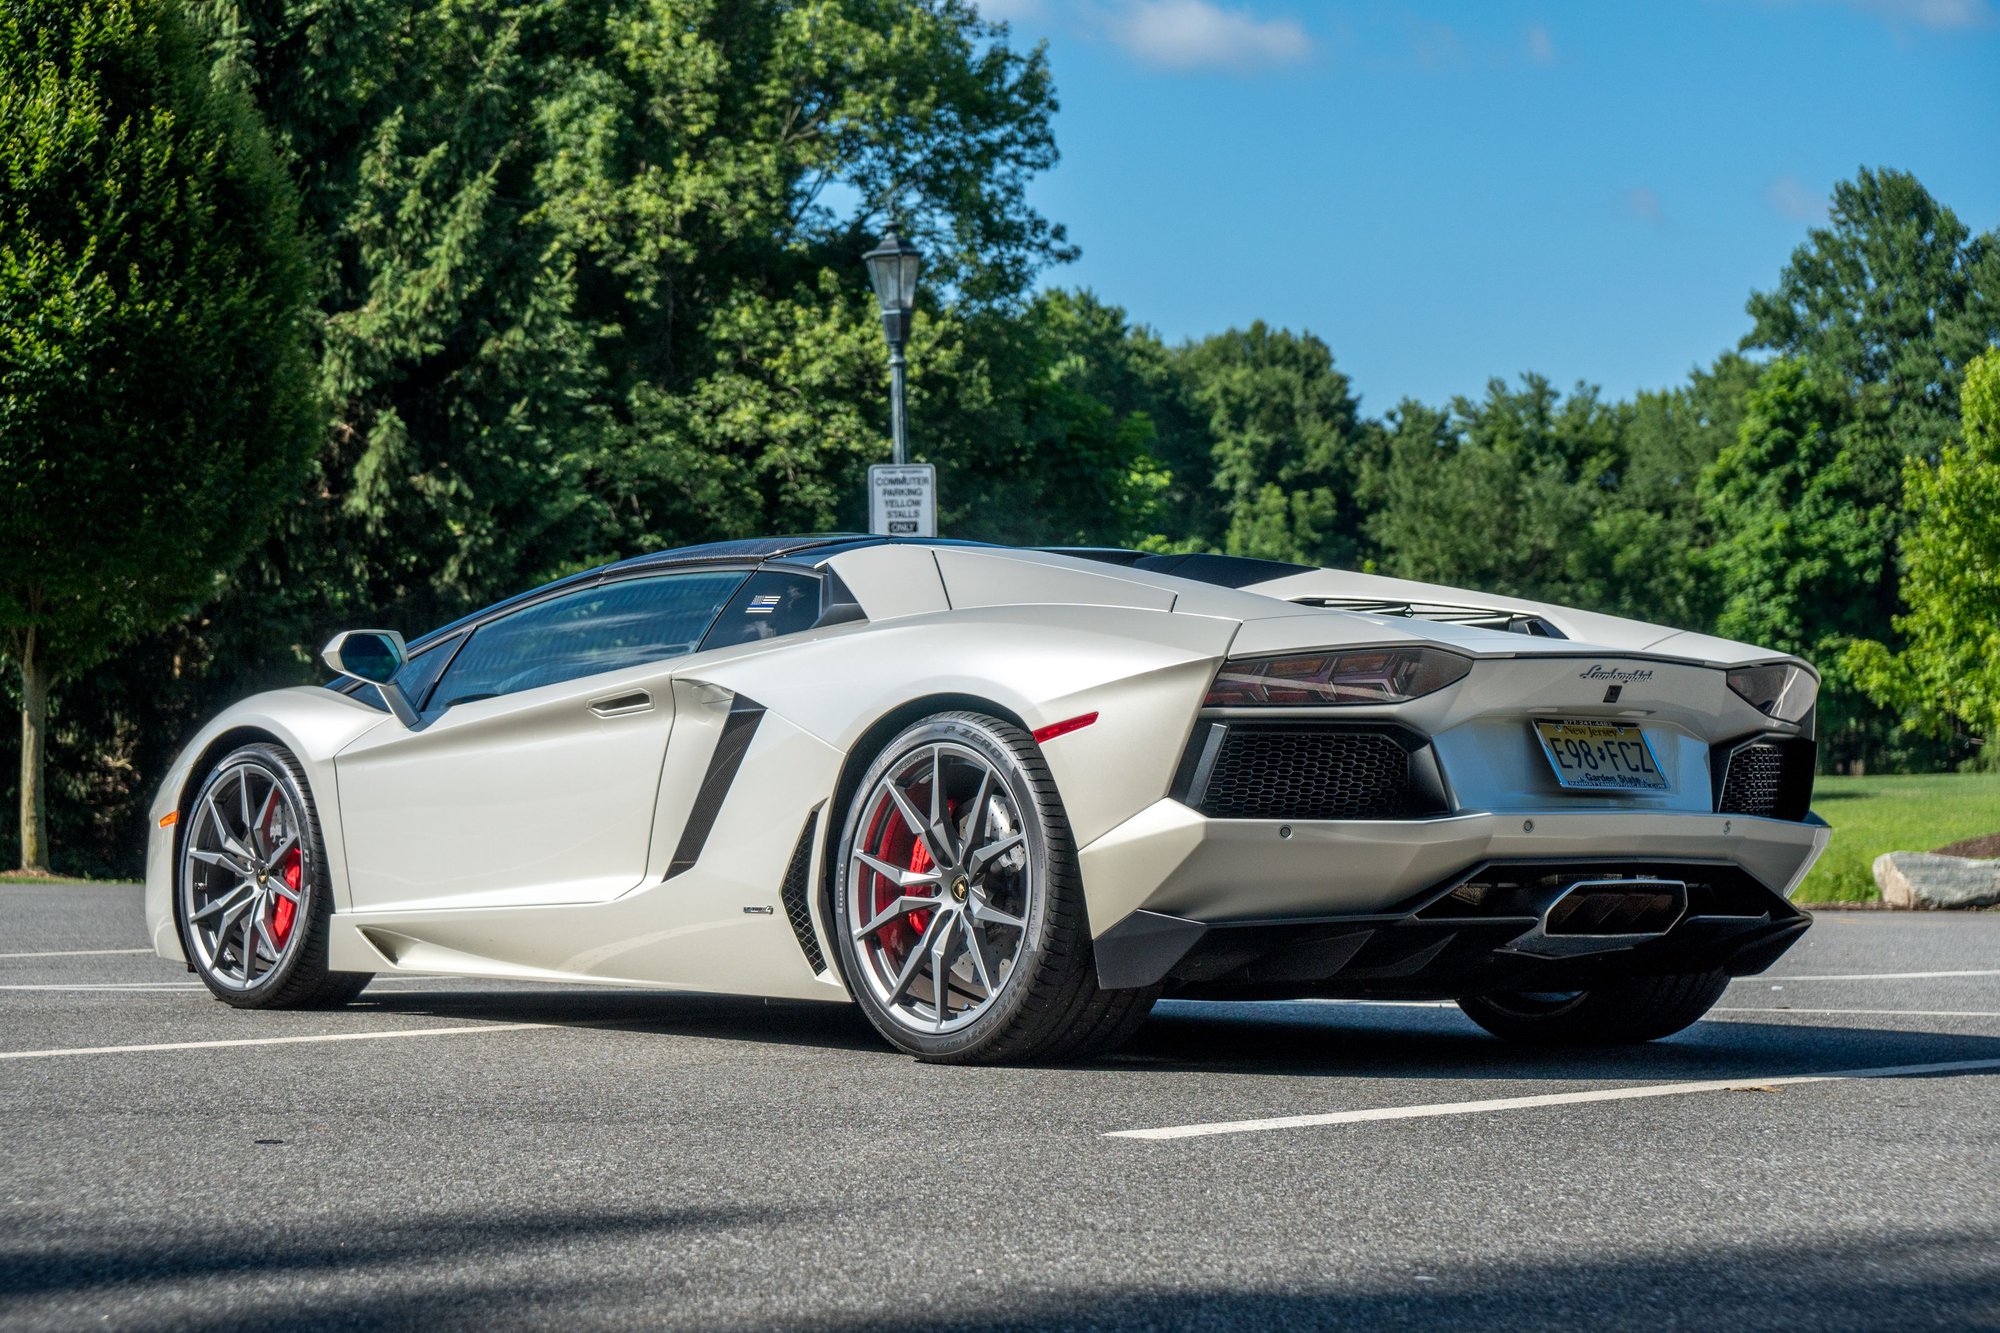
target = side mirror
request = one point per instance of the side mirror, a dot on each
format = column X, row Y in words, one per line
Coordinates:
column 374, row 656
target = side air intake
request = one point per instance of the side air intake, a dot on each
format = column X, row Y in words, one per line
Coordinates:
column 793, row 894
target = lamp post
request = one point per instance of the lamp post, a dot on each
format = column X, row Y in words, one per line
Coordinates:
column 893, row 267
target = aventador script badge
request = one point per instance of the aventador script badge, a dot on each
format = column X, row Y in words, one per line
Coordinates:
column 1598, row 671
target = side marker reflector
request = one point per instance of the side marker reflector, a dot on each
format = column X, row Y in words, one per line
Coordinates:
column 169, row 819
column 1054, row 729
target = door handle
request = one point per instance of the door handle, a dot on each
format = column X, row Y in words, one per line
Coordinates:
column 620, row 705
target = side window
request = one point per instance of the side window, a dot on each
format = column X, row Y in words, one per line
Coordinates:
column 422, row 671
column 771, row 602
column 586, row 632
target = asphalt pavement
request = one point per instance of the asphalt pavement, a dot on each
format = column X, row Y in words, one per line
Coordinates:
column 470, row 1154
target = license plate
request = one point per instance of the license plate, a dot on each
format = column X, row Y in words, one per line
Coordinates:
column 1601, row 756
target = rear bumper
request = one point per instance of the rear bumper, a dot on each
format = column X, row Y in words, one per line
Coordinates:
column 1350, row 907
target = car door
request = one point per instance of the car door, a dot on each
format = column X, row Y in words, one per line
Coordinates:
column 533, row 772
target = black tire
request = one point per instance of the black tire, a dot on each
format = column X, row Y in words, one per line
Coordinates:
column 1619, row 1013
column 301, row 979
column 1048, row 1007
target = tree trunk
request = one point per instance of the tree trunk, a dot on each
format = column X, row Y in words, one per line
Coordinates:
column 34, row 749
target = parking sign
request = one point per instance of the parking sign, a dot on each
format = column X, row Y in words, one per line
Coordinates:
column 902, row 500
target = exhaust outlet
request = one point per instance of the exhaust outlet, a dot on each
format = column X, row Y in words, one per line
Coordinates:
column 1602, row 915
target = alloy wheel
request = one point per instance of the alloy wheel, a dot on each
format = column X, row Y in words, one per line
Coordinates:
column 244, row 876
column 943, row 888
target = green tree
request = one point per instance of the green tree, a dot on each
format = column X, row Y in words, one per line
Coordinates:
column 1048, row 422
column 1647, row 540
column 1890, row 301
column 1948, row 673
column 1285, row 445
column 155, row 399
column 1881, row 310
column 586, row 291
column 1801, row 560
column 1499, row 493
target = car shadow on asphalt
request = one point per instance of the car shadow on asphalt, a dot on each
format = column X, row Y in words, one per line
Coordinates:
column 1279, row 1039
column 1946, row 1279
column 837, row 1026
column 479, row 1270
column 1411, row 1042
column 67, row 1258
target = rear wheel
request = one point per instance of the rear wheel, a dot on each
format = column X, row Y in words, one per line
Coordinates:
column 1619, row 1013
column 959, row 910
column 251, row 896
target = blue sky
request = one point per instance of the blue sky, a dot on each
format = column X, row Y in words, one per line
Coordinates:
column 1448, row 192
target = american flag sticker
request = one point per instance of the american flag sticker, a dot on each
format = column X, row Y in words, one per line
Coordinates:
column 764, row 603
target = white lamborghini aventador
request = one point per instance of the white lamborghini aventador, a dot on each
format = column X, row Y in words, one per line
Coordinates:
column 1004, row 799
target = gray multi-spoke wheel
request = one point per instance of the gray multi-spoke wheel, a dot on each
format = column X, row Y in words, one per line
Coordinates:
column 945, row 884
column 250, row 893
column 959, row 913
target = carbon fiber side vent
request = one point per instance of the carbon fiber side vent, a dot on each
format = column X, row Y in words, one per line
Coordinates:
column 793, row 894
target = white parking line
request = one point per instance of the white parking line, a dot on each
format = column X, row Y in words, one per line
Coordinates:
column 1903, row 1013
column 104, row 985
column 195, row 987
column 70, row 953
column 1880, row 976
column 462, row 1031
column 1545, row 1099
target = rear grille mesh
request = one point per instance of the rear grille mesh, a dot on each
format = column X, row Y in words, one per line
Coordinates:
column 1768, row 778
column 793, row 893
column 1309, row 773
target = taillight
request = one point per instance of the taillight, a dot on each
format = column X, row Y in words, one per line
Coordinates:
column 1782, row 690
column 1325, row 676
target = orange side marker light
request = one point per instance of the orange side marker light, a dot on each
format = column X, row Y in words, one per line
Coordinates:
column 169, row 819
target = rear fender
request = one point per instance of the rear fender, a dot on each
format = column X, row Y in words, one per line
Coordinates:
column 1143, row 673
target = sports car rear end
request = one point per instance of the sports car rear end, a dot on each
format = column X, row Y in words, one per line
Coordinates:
column 1512, row 813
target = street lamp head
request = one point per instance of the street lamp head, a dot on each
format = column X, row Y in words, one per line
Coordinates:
column 893, row 267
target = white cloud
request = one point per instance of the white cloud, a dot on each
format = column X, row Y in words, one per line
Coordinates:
column 1644, row 204
column 1437, row 45
column 1541, row 47
column 1903, row 16
column 1198, row 34
column 1789, row 198
column 1936, row 15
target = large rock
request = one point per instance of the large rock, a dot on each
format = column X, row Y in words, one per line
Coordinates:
column 1925, row 880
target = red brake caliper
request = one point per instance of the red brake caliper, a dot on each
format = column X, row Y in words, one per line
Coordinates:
column 292, row 871
column 920, row 861
column 895, row 844
column 282, row 914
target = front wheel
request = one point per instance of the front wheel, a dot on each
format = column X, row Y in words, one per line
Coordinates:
column 251, row 895
column 959, row 910
column 1618, row 1013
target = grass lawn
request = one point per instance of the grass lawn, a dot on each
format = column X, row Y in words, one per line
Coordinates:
column 1870, row 816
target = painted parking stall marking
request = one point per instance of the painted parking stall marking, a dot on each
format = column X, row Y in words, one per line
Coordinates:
column 458, row 1031
column 1779, row 979
column 1544, row 1099
column 70, row 953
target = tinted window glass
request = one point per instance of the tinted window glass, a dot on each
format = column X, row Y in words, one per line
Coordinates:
column 584, row 633
column 421, row 672
column 770, row 603
column 417, row 675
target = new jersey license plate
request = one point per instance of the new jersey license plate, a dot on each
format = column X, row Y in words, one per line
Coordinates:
column 1601, row 755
